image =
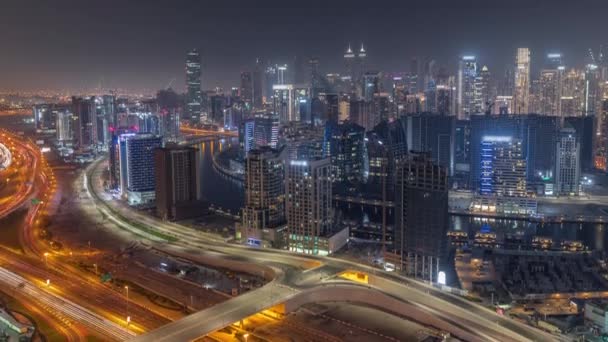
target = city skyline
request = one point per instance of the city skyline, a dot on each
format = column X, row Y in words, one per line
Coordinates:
column 139, row 47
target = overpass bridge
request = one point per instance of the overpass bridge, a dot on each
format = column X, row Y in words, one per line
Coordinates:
column 297, row 279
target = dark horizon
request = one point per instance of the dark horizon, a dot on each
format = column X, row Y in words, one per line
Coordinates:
column 141, row 45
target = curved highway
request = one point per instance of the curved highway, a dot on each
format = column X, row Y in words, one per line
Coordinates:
column 293, row 278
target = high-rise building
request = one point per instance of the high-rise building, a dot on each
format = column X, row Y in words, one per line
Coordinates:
column 85, row 125
column 292, row 103
column 503, row 167
column 260, row 131
column 521, row 95
column 45, row 117
column 386, row 144
column 64, row 129
column 308, row 190
column 591, row 90
column 467, row 97
column 193, row 86
column 263, row 213
column 370, row 85
column 484, row 89
column 421, row 217
column 247, row 87
column 344, row 145
column 567, row 167
column 349, row 62
column 177, row 183
column 270, row 79
column 137, row 176
column 432, row 134
column 551, row 83
column 257, row 94
column 586, row 132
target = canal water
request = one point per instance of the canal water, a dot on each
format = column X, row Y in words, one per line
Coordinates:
column 227, row 193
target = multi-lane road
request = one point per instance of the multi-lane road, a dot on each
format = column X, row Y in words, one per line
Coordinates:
column 457, row 312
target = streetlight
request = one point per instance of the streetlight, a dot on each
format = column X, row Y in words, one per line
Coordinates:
column 128, row 317
column 246, row 336
column 46, row 259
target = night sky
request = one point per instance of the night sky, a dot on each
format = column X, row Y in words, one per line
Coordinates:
column 141, row 45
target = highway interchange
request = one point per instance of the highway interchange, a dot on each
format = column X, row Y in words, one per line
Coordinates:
column 476, row 321
column 290, row 276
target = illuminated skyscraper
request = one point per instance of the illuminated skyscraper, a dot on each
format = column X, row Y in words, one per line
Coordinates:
column 568, row 167
column 503, row 167
column 263, row 212
column 308, row 190
column 484, row 89
column 521, row 95
column 257, row 85
column 467, row 75
column 349, row 61
column 193, row 86
column 247, row 87
column 551, row 81
column 85, row 124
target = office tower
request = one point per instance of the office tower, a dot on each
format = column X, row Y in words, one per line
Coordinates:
column 169, row 111
column 218, row 104
column 462, row 154
column 421, row 217
column 386, row 144
column 308, row 190
column 467, row 75
column 370, row 85
column 314, row 76
column 247, row 87
column 432, row 134
column 363, row 113
column 260, row 131
column 45, row 117
column 103, row 133
column 591, row 90
column 263, row 213
column 567, row 166
column 412, row 77
column 444, row 98
column 344, row 145
column 257, row 95
column 343, row 109
column 539, row 138
column 137, row 176
column 85, row 125
column 281, row 69
column 521, row 94
column 484, row 89
column 193, row 86
column 503, row 167
column 292, row 103
column 177, row 182
column 400, row 91
column 381, row 109
column 284, row 103
column 270, row 79
column 573, row 89
column 601, row 144
column 551, row 84
column 349, row 63
column 64, row 129
column 489, row 125
column 331, row 104
column 586, row 129
column 302, row 103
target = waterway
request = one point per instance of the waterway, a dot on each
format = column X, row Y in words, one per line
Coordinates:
column 227, row 193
